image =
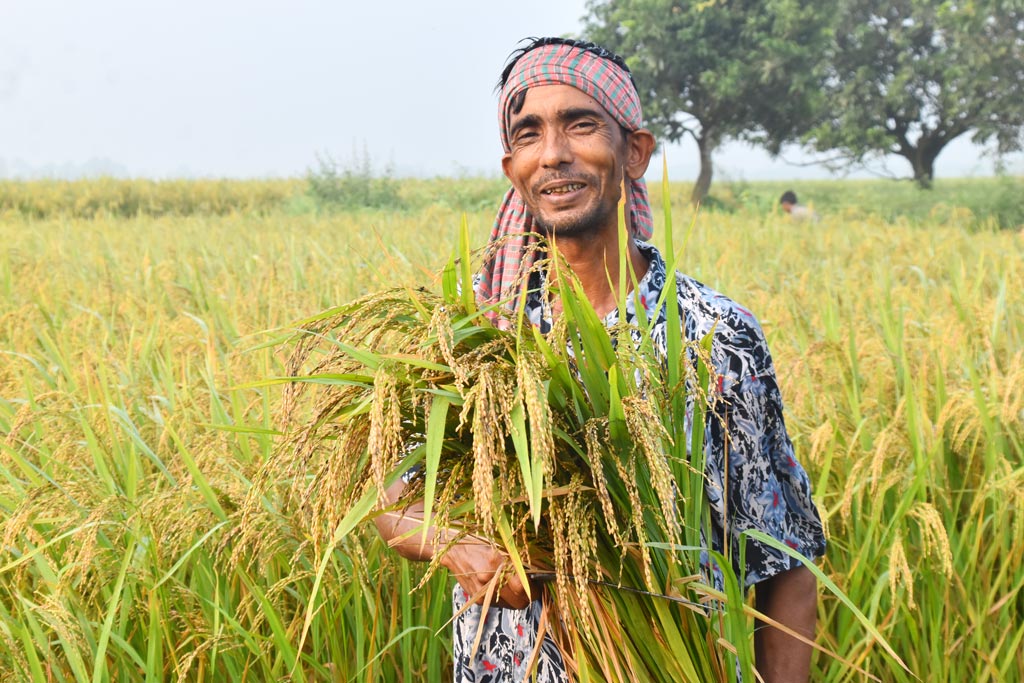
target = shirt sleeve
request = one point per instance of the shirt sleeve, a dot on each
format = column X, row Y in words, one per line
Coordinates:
column 754, row 479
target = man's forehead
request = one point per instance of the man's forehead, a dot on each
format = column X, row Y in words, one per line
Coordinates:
column 557, row 98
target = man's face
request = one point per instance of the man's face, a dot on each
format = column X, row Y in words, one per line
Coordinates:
column 567, row 160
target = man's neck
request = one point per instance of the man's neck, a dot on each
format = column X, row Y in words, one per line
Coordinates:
column 596, row 262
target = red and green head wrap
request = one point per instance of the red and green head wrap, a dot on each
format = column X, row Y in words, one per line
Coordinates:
column 594, row 71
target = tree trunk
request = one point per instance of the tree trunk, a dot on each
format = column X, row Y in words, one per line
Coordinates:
column 923, row 164
column 922, row 156
column 705, row 144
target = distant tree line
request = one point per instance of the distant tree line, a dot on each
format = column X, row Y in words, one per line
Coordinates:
column 852, row 80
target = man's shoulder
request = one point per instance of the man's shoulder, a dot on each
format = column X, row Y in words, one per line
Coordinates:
column 705, row 309
column 695, row 298
column 700, row 299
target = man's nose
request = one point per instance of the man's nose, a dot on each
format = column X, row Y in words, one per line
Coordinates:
column 556, row 151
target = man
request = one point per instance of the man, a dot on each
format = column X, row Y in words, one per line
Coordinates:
column 571, row 127
column 797, row 211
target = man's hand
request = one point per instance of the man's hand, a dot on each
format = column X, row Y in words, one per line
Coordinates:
column 790, row 598
column 475, row 563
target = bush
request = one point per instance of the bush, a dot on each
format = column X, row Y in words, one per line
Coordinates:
column 1006, row 205
column 357, row 184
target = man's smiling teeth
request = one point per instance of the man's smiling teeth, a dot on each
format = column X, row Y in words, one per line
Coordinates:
column 563, row 189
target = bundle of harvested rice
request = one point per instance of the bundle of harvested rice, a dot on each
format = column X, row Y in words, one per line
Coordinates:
column 579, row 453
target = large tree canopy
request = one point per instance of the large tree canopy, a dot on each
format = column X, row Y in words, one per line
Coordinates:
column 906, row 77
column 719, row 69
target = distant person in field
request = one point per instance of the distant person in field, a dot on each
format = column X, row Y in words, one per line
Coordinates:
column 572, row 131
column 797, row 211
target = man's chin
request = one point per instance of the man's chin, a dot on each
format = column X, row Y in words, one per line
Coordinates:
column 565, row 231
column 567, row 226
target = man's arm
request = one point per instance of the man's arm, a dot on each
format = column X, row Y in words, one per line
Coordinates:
column 790, row 598
column 473, row 561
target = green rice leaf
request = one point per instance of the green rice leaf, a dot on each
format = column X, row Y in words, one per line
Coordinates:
column 325, row 378
column 625, row 263
column 99, row 672
column 764, row 538
column 669, row 293
column 532, row 476
column 434, row 442
column 735, row 622
column 199, row 480
column 29, row 647
column 616, row 414
column 468, row 295
column 281, row 638
column 415, row 361
column 450, row 281
column 695, row 514
column 240, row 429
column 356, row 514
column 511, row 547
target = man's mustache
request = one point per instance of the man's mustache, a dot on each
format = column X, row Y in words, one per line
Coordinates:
column 562, row 176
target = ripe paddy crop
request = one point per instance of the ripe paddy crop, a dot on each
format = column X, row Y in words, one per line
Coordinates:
column 129, row 441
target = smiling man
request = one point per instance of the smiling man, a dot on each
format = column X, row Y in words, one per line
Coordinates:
column 572, row 131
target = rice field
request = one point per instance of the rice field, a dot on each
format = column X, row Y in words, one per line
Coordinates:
column 131, row 321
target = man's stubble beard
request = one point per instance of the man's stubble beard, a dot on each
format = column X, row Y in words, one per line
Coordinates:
column 590, row 222
column 582, row 226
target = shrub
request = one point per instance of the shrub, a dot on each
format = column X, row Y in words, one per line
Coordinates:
column 355, row 184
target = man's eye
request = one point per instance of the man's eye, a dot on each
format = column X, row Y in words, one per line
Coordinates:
column 584, row 126
column 526, row 136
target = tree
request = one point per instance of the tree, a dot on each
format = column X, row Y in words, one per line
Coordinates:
column 719, row 69
column 907, row 77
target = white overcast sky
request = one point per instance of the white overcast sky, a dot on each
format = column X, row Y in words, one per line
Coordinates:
column 258, row 88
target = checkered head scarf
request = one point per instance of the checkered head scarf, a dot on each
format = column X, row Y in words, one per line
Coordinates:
column 587, row 68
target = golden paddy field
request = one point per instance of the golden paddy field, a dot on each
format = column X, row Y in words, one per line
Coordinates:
column 128, row 443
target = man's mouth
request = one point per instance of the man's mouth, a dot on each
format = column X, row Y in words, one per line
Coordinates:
column 563, row 189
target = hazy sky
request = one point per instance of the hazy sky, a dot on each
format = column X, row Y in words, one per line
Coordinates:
column 257, row 88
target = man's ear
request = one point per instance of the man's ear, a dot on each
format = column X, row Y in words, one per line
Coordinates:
column 506, row 166
column 639, row 147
